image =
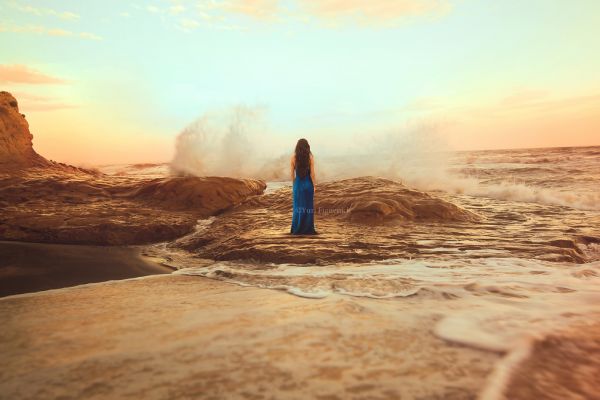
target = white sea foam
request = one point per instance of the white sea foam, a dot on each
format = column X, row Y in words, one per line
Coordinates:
column 500, row 302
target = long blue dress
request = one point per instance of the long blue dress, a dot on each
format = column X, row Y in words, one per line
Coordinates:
column 303, row 221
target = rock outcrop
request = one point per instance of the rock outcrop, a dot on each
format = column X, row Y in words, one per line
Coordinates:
column 204, row 195
column 359, row 219
column 16, row 147
column 365, row 219
column 55, row 207
column 45, row 201
column 372, row 200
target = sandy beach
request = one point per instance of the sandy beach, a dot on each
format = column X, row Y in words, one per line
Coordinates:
column 181, row 337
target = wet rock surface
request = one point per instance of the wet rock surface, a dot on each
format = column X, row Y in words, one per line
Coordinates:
column 80, row 208
column 364, row 219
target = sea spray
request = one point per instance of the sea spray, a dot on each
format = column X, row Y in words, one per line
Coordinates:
column 233, row 142
column 239, row 142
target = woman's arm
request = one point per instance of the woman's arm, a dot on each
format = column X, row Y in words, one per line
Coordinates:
column 312, row 171
column 292, row 167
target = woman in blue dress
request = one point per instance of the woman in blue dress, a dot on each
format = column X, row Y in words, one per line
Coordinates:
column 302, row 169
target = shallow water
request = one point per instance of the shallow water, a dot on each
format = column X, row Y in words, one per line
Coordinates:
column 530, row 266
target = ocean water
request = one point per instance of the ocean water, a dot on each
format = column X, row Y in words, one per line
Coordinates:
column 493, row 282
column 567, row 176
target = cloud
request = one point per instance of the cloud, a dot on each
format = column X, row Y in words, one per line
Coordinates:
column 369, row 10
column 188, row 24
column 535, row 102
column 40, row 12
column 26, row 75
column 260, row 9
column 423, row 104
column 520, row 103
column 58, row 32
column 531, row 121
column 32, row 102
column 523, row 97
column 176, row 9
column 153, row 9
column 227, row 13
column 90, row 36
column 42, row 30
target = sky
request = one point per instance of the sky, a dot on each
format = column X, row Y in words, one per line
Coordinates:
column 113, row 81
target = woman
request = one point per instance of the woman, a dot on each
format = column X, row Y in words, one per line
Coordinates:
column 302, row 169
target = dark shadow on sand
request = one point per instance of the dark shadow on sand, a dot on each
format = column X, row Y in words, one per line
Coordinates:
column 32, row 267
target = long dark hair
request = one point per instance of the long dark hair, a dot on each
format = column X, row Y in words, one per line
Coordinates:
column 302, row 153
